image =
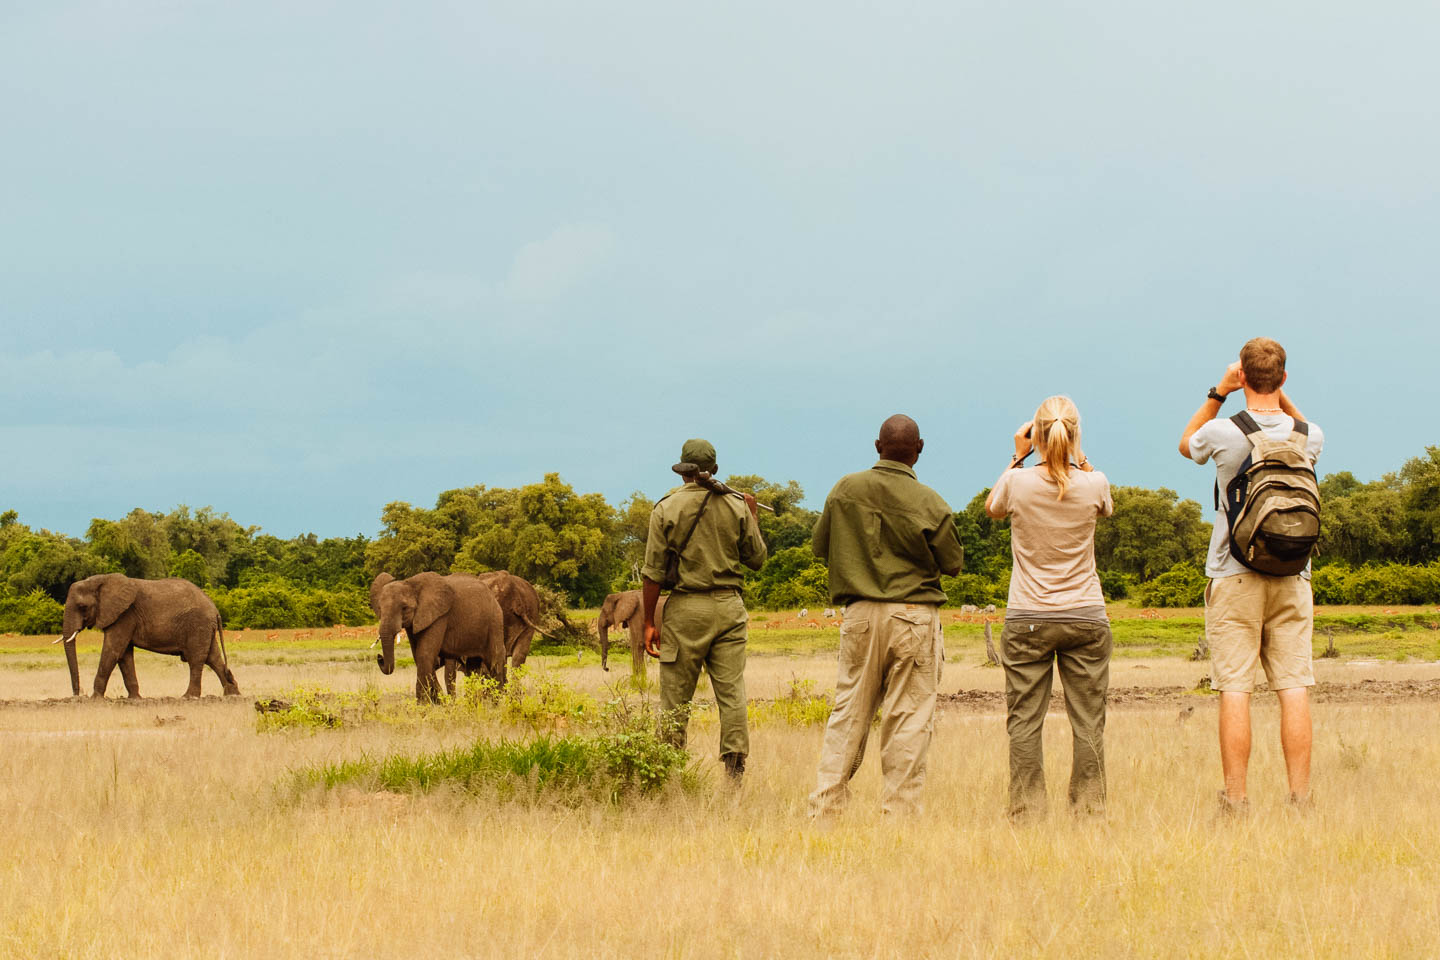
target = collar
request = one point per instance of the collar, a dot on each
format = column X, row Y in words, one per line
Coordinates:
column 896, row 466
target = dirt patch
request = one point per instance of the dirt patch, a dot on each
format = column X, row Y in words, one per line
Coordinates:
column 1363, row 691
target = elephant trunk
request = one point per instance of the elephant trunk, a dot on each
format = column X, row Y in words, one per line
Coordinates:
column 389, row 627
column 69, row 630
column 603, row 625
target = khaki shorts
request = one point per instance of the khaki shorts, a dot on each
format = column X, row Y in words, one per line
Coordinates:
column 1251, row 618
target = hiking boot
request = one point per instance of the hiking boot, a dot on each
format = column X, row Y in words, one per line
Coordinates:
column 1232, row 809
column 734, row 765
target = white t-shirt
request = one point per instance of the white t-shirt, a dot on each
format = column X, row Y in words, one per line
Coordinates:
column 1227, row 443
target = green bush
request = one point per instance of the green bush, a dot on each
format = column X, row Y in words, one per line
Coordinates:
column 1183, row 585
column 1389, row 583
column 271, row 603
column 976, row 589
column 1115, row 585
column 612, row 766
column 31, row 613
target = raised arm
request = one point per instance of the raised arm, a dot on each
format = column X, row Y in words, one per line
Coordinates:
column 1232, row 380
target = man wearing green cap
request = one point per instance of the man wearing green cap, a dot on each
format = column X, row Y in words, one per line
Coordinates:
column 714, row 535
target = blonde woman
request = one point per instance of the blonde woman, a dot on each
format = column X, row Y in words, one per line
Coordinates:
column 1056, row 612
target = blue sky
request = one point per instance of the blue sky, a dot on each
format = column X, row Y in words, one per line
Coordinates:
column 298, row 260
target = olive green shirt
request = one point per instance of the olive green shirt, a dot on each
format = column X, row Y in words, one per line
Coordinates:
column 726, row 537
column 886, row 536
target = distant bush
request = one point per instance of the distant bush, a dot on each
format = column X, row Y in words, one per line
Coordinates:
column 272, row 603
column 1389, row 583
column 31, row 613
column 1116, row 585
column 976, row 589
column 1183, row 585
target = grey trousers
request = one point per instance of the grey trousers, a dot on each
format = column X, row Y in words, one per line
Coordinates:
column 1081, row 651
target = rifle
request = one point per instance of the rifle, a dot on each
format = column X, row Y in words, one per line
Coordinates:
column 713, row 485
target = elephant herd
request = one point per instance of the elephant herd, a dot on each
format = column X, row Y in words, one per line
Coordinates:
column 464, row 621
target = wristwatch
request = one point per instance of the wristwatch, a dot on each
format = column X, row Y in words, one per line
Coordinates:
column 1216, row 395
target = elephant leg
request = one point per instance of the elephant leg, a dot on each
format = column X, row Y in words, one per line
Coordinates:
column 222, row 671
column 110, row 650
column 197, row 667
column 127, row 671
column 450, row 665
column 427, row 657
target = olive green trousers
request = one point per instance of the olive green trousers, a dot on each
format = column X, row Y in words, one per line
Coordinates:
column 704, row 631
column 1081, row 652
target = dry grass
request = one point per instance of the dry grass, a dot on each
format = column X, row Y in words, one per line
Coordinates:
column 131, row 837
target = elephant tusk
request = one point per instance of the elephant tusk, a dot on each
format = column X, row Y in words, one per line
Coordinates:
column 63, row 639
column 372, row 646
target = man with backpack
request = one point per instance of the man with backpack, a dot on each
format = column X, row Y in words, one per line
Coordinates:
column 1258, row 607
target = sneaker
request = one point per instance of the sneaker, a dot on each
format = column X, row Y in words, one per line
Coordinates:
column 1232, row 809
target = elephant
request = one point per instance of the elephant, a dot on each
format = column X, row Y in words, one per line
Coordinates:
column 622, row 609
column 520, row 606
column 167, row 616
column 455, row 616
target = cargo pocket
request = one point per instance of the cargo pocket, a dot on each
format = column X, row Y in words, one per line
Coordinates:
column 854, row 641
column 914, row 637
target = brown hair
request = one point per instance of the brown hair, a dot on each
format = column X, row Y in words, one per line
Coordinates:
column 1056, row 435
column 1263, row 361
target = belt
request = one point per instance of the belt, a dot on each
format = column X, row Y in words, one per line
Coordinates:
column 711, row 592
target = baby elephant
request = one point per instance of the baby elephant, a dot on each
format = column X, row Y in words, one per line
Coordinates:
column 166, row 616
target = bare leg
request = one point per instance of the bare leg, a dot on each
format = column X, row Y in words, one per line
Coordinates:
column 1235, row 742
column 127, row 671
column 1295, row 737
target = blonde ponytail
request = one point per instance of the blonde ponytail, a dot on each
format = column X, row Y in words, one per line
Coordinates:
column 1057, row 436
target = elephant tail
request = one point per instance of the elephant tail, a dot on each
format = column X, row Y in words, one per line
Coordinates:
column 220, row 632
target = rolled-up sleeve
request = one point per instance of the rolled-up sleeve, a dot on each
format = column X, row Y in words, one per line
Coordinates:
column 655, row 544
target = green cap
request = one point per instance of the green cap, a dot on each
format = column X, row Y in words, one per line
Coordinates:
column 699, row 452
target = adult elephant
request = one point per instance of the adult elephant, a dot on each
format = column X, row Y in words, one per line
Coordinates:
column 625, row 609
column 165, row 616
column 445, row 617
column 520, row 606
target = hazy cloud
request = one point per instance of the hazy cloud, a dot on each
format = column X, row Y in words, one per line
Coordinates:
column 546, row 269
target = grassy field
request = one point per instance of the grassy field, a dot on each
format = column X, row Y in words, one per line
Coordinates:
column 163, row 828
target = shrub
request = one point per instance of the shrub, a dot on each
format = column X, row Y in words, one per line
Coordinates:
column 1390, row 583
column 1183, row 585
column 612, row 766
column 1115, row 585
column 35, row 612
column 976, row 589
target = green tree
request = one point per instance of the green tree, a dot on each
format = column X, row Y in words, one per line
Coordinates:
column 1364, row 524
column 1421, row 476
column 791, row 524
column 190, row 566
column 985, row 539
column 1150, row 532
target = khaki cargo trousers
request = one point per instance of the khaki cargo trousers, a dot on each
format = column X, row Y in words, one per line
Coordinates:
column 704, row 631
column 1081, row 652
column 890, row 657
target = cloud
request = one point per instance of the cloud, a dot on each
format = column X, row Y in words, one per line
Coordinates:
column 546, row 269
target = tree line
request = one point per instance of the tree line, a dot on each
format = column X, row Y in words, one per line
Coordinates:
column 1380, row 543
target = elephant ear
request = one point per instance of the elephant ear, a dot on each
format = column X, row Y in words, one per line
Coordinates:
column 376, row 586
column 435, row 599
column 117, row 594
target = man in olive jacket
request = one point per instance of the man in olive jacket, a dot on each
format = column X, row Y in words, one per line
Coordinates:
column 886, row 538
column 705, row 620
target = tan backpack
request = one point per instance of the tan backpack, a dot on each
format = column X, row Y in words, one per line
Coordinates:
column 1273, row 504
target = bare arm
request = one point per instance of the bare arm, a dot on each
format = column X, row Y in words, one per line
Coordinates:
column 1023, row 446
column 1210, row 409
column 649, row 598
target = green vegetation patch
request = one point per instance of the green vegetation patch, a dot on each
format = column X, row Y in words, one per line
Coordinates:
column 612, row 766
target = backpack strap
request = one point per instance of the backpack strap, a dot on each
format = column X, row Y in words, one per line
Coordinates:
column 1246, row 423
column 1300, row 433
